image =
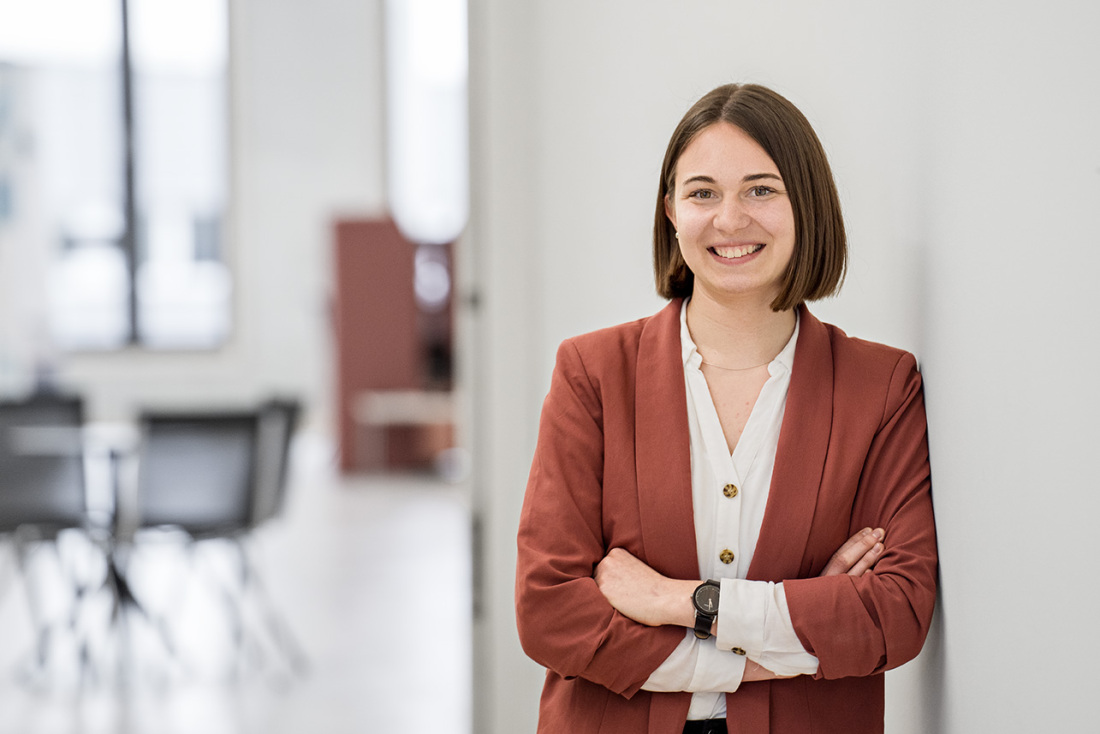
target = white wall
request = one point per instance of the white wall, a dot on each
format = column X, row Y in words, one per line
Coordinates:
column 1011, row 343
column 306, row 136
column 964, row 142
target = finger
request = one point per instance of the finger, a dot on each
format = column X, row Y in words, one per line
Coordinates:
column 867, row 562
column 852, row 551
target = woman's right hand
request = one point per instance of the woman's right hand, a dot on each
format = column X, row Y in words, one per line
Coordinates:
column 858, row 555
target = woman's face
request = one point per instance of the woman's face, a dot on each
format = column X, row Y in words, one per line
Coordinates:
column 733, row 218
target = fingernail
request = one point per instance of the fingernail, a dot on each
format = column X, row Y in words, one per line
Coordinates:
column 878, row 548
column 879, row 533
column 865, row 531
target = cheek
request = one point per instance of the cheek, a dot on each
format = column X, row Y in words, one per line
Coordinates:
column 779, row 222
column 689, row 222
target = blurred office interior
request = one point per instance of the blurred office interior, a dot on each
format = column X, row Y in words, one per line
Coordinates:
column 234, row 489
column 963, row 139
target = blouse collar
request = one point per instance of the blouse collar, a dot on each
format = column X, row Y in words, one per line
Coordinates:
column 691, row 357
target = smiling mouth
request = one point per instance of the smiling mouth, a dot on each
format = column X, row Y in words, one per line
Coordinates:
column 732, row 253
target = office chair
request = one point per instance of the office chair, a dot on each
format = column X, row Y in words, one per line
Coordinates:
column 219, row 476
column 278, row 422
column 42, row 495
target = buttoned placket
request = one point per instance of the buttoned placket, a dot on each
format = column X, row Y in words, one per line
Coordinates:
column 721, row 557
column 726, row 502
column 720, row 512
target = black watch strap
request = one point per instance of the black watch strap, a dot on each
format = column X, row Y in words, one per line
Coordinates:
column 703, row 623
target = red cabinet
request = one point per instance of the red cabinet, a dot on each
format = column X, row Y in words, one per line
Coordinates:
column 391, row 405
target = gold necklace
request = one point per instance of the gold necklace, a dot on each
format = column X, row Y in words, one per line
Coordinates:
column 733, row 369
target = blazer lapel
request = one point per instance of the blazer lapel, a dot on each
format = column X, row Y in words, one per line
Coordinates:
column 663, row 448
column 800, row 457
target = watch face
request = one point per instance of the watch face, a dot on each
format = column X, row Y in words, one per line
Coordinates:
column 706, row 599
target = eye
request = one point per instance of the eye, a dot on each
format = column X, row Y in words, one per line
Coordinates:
column 758, row 191
column 701, row 194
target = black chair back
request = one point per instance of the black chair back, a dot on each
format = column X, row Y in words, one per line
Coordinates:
column 42, row 481
column 278, row 421
column 197, row 471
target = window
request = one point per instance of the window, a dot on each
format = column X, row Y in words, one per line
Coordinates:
column 428, row 152
column 113, row 169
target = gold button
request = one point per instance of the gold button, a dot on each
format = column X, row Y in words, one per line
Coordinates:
column 738, row 651
column 730, row 490
column 726, row 556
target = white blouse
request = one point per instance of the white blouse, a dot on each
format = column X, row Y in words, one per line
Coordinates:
column 729, row 494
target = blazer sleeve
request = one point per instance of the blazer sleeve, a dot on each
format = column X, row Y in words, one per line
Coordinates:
column 862, row 626
column 563, row 619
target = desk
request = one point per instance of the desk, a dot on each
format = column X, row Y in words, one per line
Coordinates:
column 402, row 429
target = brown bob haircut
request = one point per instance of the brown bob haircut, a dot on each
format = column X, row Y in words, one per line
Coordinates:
column 820, row 258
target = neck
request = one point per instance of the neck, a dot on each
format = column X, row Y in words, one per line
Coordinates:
column 738, row 335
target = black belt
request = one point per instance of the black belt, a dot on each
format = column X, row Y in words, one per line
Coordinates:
column 705, row 726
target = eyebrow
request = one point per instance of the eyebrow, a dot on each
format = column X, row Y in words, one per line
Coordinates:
column 758, row 176
column 746, row 179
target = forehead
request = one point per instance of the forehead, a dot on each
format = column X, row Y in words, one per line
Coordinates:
column 723, row 148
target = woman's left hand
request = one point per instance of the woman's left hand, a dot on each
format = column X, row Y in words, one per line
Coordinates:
column 642, row 594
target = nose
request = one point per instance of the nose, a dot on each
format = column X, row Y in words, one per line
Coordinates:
column 732, row 215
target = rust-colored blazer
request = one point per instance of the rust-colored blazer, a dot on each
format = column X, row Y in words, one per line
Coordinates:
column 612, row 469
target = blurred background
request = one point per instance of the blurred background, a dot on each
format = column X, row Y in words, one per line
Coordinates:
column 281, row 284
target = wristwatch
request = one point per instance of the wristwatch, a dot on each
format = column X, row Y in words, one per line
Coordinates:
column 705, row 599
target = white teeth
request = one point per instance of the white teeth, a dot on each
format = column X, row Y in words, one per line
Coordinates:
column 736, row 252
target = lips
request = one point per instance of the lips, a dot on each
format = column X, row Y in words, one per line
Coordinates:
column 732, row 253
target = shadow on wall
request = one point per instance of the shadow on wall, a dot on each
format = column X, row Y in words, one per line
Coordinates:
column 931, row 691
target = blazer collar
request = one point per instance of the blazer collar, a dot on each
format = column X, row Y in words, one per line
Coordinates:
column 800, row 458
column 663, row 452
column 663, row 448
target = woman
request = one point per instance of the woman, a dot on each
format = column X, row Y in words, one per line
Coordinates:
column 728, row 523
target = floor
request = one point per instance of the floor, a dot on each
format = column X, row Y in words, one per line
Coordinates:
column 371, row 576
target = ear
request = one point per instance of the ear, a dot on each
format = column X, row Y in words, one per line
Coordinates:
column 670, row 211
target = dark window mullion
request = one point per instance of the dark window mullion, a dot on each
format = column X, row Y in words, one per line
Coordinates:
column 129, row 236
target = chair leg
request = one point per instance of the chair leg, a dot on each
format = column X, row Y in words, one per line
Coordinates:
column 35, row 669
column 127, row 607
column 251, row 599
column 275, row 623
